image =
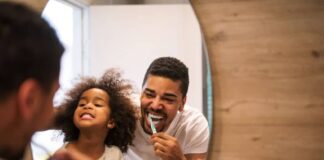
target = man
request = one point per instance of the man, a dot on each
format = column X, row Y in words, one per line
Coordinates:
column 182, row 133
column 30, row 55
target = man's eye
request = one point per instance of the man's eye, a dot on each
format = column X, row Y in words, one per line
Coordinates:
column 169, row 100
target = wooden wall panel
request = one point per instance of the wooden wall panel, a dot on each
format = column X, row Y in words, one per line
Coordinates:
column 267, row 61
column 38, row 5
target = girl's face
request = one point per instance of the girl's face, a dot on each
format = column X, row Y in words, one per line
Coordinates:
column 93, row 110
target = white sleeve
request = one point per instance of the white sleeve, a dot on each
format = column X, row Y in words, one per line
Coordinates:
column 197, row 135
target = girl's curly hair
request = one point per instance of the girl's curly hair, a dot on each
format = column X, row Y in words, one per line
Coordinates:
column 122, row 109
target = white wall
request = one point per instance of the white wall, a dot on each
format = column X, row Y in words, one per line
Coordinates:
column 130, row 37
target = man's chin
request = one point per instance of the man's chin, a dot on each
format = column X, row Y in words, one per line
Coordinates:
column 146, row 128
column 149, row 131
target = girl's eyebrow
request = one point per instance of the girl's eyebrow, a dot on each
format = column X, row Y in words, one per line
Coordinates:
column 83, row 98
column 95, row 98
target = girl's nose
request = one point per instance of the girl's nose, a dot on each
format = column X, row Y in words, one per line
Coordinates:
column 88, row 106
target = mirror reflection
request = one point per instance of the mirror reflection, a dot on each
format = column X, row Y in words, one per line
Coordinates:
column 128, row 35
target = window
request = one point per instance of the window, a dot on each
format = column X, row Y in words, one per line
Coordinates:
column 67, row 18
column 68, row 25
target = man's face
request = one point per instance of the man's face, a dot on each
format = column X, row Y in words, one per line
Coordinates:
column 42, row 117
column 161, row 99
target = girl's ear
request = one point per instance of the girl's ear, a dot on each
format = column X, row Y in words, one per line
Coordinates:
column 111, row 124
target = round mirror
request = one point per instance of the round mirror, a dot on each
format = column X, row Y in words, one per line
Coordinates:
column 127, row 34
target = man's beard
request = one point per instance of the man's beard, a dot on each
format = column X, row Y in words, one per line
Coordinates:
column 6, row 153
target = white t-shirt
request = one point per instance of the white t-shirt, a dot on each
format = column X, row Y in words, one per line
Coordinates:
column 111, row 153
column 189, row 127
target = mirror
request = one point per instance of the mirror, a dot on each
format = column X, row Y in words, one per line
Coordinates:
column 130, row 34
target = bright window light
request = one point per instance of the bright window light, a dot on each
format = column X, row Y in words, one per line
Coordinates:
column 66, row 19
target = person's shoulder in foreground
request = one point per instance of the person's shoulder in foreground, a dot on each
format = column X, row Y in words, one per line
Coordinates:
column 30, row 54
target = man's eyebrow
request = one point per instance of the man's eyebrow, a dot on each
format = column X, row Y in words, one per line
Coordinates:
column 149, row 90
column 164, row 95
column 169, row 95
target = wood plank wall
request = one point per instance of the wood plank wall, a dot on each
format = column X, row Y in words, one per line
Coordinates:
column 267, row 61
column 38, row 5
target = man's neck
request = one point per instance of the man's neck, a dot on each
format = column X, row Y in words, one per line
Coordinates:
column 7, row 153
column 13, row 141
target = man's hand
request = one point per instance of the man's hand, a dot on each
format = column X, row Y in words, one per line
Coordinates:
column 167, row 147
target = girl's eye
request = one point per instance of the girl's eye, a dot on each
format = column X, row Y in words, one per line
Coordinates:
column 81, row 104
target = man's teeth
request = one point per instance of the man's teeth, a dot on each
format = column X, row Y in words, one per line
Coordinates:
column 155, row 122
column 155, row 117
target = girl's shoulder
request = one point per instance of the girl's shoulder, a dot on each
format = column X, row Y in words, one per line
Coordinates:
column 112, row 148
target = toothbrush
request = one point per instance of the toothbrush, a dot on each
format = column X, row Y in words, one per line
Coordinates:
column 152, row 125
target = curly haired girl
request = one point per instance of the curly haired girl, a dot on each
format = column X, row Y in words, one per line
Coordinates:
column 98, row 117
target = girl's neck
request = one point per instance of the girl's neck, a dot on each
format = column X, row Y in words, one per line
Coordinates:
column 91, row 145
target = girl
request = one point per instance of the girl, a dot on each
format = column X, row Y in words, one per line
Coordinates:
column 98, row 117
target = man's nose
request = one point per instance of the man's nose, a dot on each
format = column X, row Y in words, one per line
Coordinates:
column 156, row 103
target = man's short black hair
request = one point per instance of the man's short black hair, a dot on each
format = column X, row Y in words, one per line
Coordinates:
column 172, row 68
column 29, row 48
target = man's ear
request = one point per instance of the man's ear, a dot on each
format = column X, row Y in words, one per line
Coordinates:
column 111, row 124
column 184, row 99
column 29, row 97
